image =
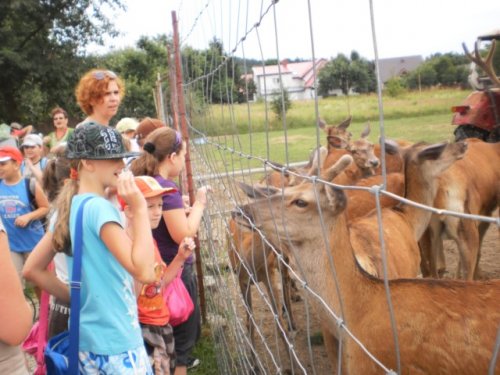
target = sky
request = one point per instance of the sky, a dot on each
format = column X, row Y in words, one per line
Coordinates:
column 403, row 27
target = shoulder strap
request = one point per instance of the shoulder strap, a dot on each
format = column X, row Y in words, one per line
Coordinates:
column 75, row 284
column 30, row 191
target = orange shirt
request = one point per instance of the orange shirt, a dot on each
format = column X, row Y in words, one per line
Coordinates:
column 150, row 303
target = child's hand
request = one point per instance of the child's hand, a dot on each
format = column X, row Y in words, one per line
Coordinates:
column 22, row 221
column 28, row 163
column 128, row 190
column 201, row 194
column 186, row 248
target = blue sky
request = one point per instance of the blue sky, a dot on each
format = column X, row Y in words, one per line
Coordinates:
column 403, row 27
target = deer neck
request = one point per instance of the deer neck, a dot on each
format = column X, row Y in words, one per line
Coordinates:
column 357, row 291
column 422, row 189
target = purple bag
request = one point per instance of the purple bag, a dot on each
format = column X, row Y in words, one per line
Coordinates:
column 178, row 301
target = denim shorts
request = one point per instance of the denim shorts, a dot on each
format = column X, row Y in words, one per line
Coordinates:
column 132, row 362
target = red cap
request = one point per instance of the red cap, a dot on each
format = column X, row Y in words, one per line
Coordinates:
column 149, row 187
column 10, row 153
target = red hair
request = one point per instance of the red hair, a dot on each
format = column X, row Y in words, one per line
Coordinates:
column 92, row 89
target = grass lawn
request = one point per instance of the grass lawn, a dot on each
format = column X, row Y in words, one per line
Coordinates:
column 413, row 116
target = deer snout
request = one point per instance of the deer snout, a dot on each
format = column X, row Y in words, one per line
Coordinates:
column 242, row 216
column 374, row 162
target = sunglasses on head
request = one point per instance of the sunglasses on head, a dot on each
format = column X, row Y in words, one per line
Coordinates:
column 101, row 74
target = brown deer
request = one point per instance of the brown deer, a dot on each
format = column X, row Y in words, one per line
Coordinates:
column 362, row 202
column 248, row 252
column 364, row 159
column 443, row 327
column 337, row 136
column 468, row 186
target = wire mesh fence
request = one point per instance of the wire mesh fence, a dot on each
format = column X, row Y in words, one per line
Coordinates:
column 277, row 287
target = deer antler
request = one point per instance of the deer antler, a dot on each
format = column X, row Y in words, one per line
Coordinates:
column 485, row 64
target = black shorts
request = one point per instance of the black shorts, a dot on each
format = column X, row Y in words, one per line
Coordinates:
column 187, row 334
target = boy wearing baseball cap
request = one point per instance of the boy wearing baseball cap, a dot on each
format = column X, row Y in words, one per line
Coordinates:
column 153, row 311
column 21, row 220
column 34, row 162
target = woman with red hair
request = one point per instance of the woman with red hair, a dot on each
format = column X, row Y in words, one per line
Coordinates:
column 99, row 94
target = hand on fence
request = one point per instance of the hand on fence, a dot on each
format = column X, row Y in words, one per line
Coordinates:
column 186, row 247
column 201, row 194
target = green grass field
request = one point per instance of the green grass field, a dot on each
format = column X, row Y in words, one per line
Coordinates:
column 414, row 116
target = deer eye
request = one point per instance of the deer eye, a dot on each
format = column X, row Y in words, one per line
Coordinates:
column 300, row 203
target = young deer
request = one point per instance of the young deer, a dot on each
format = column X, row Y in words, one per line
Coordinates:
column 247, row 250
column 443, row 327
column 469, row 186
column 403, row 225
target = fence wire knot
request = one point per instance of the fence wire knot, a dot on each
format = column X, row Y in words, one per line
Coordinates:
column 375, row 189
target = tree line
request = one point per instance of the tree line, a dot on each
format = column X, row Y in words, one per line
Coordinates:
column 42, row 56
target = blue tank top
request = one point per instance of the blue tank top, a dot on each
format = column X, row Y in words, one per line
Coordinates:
column 14, row 202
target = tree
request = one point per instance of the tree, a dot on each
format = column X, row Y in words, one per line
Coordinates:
column 41, row 53
column 346, row 73
column 280, row 104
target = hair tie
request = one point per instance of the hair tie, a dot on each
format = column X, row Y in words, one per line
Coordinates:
column 149, row 148
column 73, row 174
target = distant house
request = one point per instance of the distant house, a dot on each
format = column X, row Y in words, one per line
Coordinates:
column 296, row 78
column 398, row 66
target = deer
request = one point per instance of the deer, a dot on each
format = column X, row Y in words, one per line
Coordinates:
column 469, row 186
column 336, row 135
column 443, row 326
column 248, row 251
column 364, row 159
column 403, row 225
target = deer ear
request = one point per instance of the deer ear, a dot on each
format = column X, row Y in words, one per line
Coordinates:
column 366, row 131
column 337, row 142
column 391, row 147
column 345, row 124
column 337, row 168
column 431, row 152
column 322, row 124
column 257, row 191
column 278, row 167
column 314, row 162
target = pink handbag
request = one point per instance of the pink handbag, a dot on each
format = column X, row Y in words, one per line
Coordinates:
column 178, row 301
column 36, row 341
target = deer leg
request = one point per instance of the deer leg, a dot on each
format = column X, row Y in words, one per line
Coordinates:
column 467, row 240
column 425, row 253
column 331, row 347
column 286, row 282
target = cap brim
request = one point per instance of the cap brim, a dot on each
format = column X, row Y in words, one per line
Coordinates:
column 72, row 155
column 5, row 158
column 30, row 144
column 159, row 192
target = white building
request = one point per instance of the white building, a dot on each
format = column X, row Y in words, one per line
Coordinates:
column 296, row 78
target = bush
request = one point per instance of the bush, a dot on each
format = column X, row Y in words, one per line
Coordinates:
column 395, row 87
column 277, row 104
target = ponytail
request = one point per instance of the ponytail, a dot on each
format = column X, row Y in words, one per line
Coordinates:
column 158, row 145
column 61, row 240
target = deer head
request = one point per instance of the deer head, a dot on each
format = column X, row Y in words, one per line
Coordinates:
column 429, row 161
column 293, row 215
column 362, row 151
column 485, row 64
column 337, row 135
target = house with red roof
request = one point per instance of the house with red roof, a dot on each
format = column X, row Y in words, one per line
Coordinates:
column 296, row 78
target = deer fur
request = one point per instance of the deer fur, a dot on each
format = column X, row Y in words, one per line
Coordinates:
column 393, row 159
column 444, row 327
column 468, row 186
column 403, row 225
column 337, row 135
column 362, row 202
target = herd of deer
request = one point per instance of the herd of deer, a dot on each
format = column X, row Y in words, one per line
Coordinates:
column 443, row 326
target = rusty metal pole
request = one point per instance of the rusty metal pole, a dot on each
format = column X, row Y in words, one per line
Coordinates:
column 173, row 87
column 189, row 174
